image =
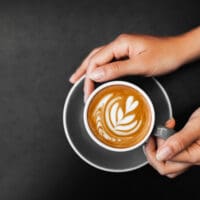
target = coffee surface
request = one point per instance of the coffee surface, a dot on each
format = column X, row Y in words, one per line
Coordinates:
column 119, row 116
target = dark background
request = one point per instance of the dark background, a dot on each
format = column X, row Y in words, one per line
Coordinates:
column 41, row 44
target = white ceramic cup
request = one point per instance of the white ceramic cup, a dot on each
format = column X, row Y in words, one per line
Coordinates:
column 123, row 83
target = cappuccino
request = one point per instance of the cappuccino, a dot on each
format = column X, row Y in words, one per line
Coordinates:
column 119, row 116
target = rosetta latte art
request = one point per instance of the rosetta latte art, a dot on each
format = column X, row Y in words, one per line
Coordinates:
column 119, row 116
column 120, row 121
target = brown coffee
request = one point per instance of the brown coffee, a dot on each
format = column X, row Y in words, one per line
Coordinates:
column 119, row 116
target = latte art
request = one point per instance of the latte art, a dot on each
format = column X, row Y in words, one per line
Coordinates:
column 120, row 121
column 119, row 116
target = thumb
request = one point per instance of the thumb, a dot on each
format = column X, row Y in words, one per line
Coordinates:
column 114, row 70
column 179, row 141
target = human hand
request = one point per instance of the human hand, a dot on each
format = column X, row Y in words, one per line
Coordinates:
column 179, row 152
column 130, row 54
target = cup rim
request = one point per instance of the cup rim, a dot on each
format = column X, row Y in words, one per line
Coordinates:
column 124, row 83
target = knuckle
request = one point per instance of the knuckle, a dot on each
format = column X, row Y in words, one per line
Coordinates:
column 91, row 67
column 114, row 67
column 176, row 143
column 95, row 49
column 104, row 71
column 91, row 63
column 122, row 37
column 162, row 171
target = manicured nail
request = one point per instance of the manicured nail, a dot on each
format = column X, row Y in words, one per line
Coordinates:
column 71, row 79
column 163, row 154
column 168, row 122
column 171, row 175
column 98, row 74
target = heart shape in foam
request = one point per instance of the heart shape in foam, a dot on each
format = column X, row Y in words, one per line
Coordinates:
column 123, row 122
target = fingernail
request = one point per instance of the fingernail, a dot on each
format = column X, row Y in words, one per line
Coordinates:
column 98, row 74
column 168, row 122
column 171, row 176
column 71, row 79
column 163, row 154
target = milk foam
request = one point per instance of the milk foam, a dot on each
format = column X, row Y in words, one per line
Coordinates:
column 119, row 119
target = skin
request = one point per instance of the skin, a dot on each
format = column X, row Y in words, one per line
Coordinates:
column 150, row 56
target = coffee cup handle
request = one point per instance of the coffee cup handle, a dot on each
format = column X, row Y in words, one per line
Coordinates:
column 163, row 132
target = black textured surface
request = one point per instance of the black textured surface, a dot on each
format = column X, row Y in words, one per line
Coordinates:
column 41, row 44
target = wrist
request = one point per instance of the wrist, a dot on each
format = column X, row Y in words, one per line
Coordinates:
column 188, row 46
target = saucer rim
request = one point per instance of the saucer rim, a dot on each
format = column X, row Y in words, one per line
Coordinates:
column 77, row 151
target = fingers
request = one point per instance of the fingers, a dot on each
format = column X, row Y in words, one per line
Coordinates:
column 117, row 69
column 190, row 155
column 164, row 168
column 111, row 71
column 159, row 142
column 83, row 67
column 98, row 66
column 174, row 175
column 88, row 88
column 181, row 140
column 170, row 123
column 116, row 49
